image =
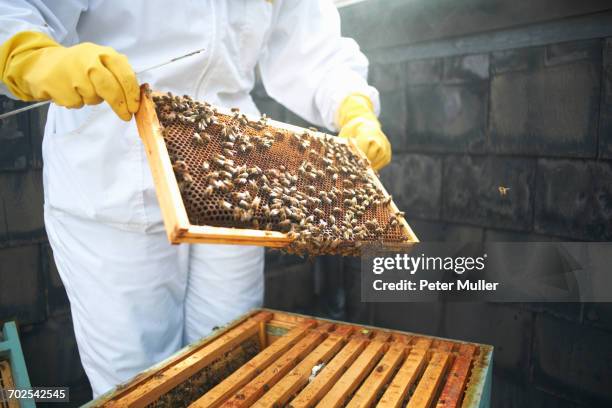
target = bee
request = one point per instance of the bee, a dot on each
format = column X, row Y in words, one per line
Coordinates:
column 205, row 166
column 208, row 191
column 311, row 189
column 503, row 190
column 180, row 167
column 225, row 205
column 285, row 224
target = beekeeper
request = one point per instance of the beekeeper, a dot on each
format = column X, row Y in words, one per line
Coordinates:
column 135, row 298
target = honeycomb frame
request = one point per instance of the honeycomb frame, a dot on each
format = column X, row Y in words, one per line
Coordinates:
column 178, row 227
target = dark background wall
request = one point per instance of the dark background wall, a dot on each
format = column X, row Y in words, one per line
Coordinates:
column 475, row 95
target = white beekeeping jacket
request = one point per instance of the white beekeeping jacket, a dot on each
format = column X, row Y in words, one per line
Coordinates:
column 95, row 165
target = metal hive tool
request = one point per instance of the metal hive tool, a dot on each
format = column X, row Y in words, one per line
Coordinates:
column 224, row 177
column 275, row 359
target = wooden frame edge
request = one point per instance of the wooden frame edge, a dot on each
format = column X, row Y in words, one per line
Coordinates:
column 171, row 204
column 177, row 224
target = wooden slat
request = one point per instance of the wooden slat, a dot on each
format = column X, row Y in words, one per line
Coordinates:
column 372, row 386
column 271, row 375
column 171, row 204
column 247, row 372
column 443, row 345
column 432, row 377
column 323, row 382
column 280, row 393
column 452, row 393
column 175, row 374
column 406, row 376
column 351, row 379
column 201, row 234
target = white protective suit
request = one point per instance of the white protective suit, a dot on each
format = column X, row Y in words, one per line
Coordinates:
column 135, row 298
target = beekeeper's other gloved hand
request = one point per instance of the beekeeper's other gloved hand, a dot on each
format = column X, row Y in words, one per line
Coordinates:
column 357, row 120
column 34, row 67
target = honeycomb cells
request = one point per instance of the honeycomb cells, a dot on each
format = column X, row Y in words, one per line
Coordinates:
column 236, row 172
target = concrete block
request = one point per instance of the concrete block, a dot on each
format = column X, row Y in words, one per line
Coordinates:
column 387, row 77
column 51, row 353
column 505, row 328
column 539, row 109
column 37, row 119
column 57, row 299
column 22, row 197
column 497, row 235
column 471, row 191
column 289, row 287
column 420, row 72
column 22, row 290
column 572, row 361
column 605, row 118
column 447, row 117
column 415, row 181
column 15, row 149
column 573, row 199
column 393, row 118
column 598, row 315
column 568, row 52
column 423, row 318
column 466, row 68
column 507, row 393
column 440, row 231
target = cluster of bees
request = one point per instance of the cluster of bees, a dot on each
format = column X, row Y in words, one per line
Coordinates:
column 325, row 205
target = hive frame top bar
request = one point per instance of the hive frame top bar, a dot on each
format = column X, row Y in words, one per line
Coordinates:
column 178, row 227
column 145, row 387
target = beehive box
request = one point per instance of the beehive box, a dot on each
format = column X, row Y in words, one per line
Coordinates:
column 277, row 359
column 225, row 177
column 13, row 372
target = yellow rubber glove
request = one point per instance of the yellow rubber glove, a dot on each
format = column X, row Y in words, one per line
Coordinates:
column 34, row 68
column 356, row 119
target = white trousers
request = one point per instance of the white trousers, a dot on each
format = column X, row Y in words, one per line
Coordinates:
column 136, row 299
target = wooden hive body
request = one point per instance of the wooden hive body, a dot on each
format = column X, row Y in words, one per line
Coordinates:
column 266, row 359
column 176, row 211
